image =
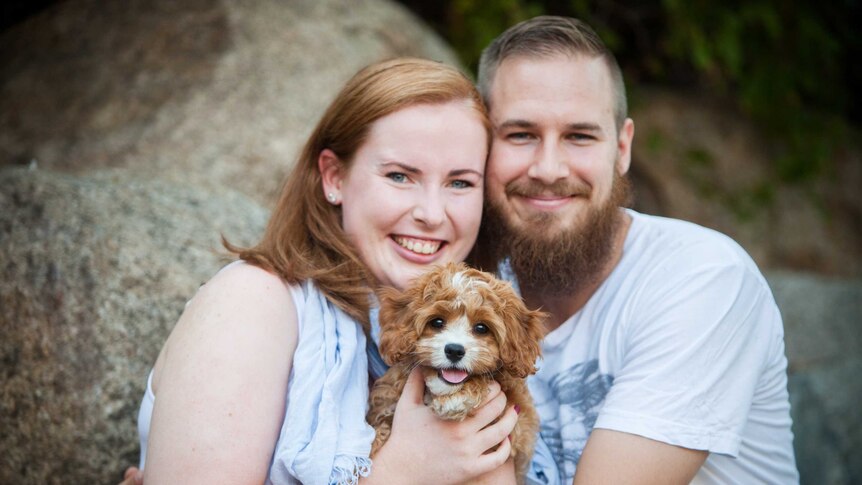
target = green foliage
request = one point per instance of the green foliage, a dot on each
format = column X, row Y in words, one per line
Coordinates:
column 473, row 24
column 782, row 65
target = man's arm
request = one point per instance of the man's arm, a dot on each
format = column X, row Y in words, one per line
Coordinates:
column 612, row 457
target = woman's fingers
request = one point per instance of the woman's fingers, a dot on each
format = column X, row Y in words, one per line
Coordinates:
column 494, row 389
column 132, row 476
column 493, row 407
column 494, row 459
column 498, row 432
column 414, row 389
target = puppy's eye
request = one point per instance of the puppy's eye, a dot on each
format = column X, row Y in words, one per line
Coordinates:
column 437, row 322
column 481, row 328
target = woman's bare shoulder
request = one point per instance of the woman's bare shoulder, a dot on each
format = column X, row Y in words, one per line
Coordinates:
column 244, row 277
column 243, row 313
column 222, row 378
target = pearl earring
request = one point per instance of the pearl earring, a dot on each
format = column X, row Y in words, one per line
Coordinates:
column 331, row 197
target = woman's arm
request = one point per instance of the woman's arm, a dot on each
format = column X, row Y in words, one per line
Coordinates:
column 221, row 381
column 426, row 449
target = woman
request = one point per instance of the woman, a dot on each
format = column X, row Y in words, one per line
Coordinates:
column 389, row 182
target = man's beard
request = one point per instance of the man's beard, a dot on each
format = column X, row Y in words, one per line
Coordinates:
column 553, row 262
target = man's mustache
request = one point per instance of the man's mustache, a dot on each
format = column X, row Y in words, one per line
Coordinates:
column 560, row 188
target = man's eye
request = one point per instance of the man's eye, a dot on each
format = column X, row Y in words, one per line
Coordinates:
column 461, row 184
column 397, row 177
column 437, row 322
column 519, row 136
column 481, row 328
column 581, row 137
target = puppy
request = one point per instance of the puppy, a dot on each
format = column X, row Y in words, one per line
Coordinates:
column 463, row 328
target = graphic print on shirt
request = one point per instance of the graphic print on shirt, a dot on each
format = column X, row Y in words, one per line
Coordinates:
column 578, row 395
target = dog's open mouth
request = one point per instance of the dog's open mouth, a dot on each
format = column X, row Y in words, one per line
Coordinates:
column 453, row 376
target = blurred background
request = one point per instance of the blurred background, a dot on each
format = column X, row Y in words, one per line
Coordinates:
column 134, row 133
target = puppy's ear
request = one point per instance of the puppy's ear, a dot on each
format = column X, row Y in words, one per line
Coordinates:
column 524, row 333
column 397, row 333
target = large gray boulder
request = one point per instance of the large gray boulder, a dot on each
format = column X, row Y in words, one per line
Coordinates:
column 94, row 272
column 822, row 318
column 201, row 91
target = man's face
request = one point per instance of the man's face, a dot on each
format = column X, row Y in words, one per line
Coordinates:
column 554, row 179
column 556, row 148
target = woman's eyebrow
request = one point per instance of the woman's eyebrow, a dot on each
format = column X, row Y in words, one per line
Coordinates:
column 464, row 171
column 402, row 166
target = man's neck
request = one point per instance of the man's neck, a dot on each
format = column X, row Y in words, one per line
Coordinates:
column 561, row 307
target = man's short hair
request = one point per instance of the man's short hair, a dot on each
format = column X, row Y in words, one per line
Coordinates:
column 547, row 36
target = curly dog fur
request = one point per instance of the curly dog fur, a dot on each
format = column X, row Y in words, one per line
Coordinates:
column 464, row 328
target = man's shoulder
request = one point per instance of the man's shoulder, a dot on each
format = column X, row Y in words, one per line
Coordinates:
column 669, row 235
column 668, row 248
column 676, row 228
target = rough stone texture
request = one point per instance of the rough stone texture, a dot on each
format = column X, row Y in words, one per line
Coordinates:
column 94, row 272
column 822, row 319
column 698, row 160
column 200, row 90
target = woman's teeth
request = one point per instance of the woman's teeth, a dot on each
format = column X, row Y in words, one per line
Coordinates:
column 418, row 245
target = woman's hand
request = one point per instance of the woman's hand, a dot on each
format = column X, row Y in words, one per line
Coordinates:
column 423, row 448
column 133, row 476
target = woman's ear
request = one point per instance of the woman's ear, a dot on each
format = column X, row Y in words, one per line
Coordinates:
column 332, row 173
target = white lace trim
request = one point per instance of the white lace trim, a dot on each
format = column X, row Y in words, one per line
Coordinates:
column 349, row 469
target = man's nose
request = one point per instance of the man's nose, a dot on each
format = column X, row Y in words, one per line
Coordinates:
column 550, row 164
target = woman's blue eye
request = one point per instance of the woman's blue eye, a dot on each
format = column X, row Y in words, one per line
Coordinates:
column 397, row 177
column 461, row 184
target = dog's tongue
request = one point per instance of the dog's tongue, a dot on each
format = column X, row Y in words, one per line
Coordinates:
column 453, row 376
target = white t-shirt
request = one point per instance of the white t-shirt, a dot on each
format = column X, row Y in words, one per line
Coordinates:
column 683, row 344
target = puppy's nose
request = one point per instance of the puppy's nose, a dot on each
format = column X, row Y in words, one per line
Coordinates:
column 454, row 352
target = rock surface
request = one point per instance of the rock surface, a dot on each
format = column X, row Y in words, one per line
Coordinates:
column 95, row 270
column 201, row 91
column 822, row 317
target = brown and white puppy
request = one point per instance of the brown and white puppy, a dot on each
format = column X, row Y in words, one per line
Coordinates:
column 464, row 328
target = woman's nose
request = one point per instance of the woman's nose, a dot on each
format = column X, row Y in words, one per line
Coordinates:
column 429, row 209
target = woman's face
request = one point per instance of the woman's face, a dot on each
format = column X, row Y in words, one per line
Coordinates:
column 412, row 195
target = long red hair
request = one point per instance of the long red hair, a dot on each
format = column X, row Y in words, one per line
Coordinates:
column 304, row 239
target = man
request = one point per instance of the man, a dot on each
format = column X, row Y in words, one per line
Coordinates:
column 664, row 355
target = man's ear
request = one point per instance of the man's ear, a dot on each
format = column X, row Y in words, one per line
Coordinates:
column 332, row 174
column 624, row 146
